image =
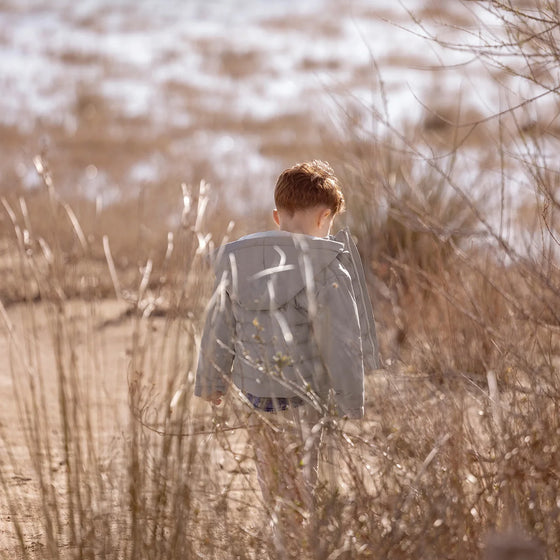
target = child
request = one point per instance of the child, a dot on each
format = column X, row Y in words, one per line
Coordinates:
column 290, row 324
column 291, row 310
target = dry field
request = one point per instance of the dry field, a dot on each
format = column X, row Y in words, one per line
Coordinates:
column 106, row 223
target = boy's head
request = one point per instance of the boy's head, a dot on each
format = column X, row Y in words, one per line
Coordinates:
column 307, row 198
column 306, row 185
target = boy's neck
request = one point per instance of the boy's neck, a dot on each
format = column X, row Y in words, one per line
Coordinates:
column 305, row 230
column 306, row 222
column 298, row 229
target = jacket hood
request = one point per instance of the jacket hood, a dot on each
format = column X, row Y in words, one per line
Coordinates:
column 266, row 270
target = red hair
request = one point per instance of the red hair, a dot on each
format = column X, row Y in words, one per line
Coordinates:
column 306, row 185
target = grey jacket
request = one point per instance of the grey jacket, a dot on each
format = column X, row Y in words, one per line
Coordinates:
column 290, row 316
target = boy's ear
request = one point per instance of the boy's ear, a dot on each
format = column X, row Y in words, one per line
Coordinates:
column 275, row 217
column 324, row 215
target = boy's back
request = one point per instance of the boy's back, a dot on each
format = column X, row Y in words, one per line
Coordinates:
column 290, row 319
column 289, row 324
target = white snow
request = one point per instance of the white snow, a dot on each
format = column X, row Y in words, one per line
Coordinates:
column 131, row 51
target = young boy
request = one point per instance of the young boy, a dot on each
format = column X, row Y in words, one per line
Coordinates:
column 290, row 319
column 290, row 326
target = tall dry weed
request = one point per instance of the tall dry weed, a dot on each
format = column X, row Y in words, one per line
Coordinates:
column 109, row 456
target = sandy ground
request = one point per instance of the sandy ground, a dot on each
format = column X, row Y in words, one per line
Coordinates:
column 30, row 361
column 101, row 336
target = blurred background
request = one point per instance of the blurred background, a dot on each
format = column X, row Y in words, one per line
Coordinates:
column 134, row 97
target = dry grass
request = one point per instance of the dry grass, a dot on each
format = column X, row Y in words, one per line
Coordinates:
column 325, row 25
column 460, row 429
column 105, row 452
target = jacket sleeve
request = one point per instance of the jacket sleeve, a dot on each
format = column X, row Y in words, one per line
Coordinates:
column 217, row 349
column 353, row 263
column 336, row 329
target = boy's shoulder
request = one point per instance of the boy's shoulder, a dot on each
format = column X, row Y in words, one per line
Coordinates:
column 259, row 249
column 269, row 268
column 285, row 238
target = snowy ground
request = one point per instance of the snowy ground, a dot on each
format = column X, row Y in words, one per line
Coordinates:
column 259, row 58
column 222, row 88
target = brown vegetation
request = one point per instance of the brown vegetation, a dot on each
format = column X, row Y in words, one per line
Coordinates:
column 106, row 453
